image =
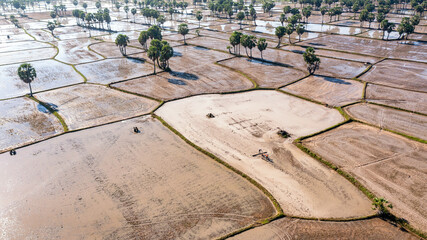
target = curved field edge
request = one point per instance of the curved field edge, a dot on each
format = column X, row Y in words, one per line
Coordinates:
column 390, row 217
column 279, row 210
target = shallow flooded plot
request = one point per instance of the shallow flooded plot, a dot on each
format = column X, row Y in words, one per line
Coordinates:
column 244, row 123
column 264, row 73
column 211, row 43
column 50, row 74
column 76, row 51
column 334, row 54
column 15, row 38
column 111, row 50
column 287, row 228
column 402, row 74
column 24, row 121
column 123, row 185
column 332, row 91
column 383, row 117
column 395, row 49
column 113, row 70
column 391, row 166
column 18, row 46
column 208, row 78
column 42, row 35
column 87, row 105
column 27, row 55
column 412, row 101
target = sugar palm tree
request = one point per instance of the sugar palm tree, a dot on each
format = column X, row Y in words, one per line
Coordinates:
column 27, row 74
column 122, row 41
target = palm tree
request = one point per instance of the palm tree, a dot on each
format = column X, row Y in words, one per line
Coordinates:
column 27, row 74
column 262, row 45
column 122, row 41
column 133, row 11
column 300, row 30
column 153, row 53
column 313, row 62
column 143, row 38
column 199, row 16
column 240, row 16
column 51, row 27
column 280, row 32
column 380, row 205
column 183, row 30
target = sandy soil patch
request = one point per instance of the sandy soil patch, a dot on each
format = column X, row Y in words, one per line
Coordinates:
column 50, row 74
column 332, row 91
column 24, row 121
column 26, row 55
column 110, row 50
column 406, row 50
column 390, row 165
column 287, row 228
column 413, row 101
column 86, row 105
column 76, row 51
column 402, row 74
column 122, row 185
column 113, row 70
column 264, row 73
column 400, row 121
column 208, row 78
column 247, row 122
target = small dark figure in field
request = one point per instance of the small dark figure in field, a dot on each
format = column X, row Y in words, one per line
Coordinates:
column 264, row 155
column 283, row 133
column 210, row 115
column 12, row 152
column 136, row 130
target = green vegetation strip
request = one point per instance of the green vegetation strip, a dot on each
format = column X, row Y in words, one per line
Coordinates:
column 276, row 205
column 55, row 113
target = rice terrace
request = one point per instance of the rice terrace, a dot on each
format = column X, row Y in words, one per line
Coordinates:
column 213, row 119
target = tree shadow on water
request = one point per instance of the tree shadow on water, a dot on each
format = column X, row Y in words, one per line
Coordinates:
column 184, row 75
column 42, row 107
column 336, row 80
column 135, row 59
column 176, row 81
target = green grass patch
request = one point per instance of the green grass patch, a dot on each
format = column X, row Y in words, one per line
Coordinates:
column 55, row 113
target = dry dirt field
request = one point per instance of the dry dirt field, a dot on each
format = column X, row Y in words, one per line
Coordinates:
column 264, row 73
column 24, row 121
column 331, row 91
column 87, row 105
column 412, row 101
column 391, row 166
column 209, row 78
column 110, row 183
column 288, row 228
column 401, row 74
column 409, row 123
column 247, row 122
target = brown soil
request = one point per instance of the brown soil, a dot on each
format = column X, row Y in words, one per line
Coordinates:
column 389, row 165
column 400, row 121
column 111, row 50
column 401, row 74
column 209, row 78
column 265, row 74
column 288, row 228
column 111, row 183
column 332, row 91
column 413, row 101
column 76, row 51
column 247, row 122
